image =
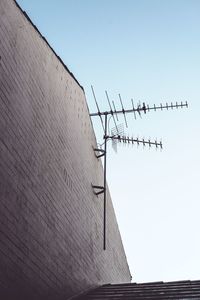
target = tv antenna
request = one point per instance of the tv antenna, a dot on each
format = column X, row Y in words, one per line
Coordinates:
column 117, row 136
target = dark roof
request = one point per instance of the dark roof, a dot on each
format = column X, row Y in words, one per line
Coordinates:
column 58, row 57
column 152, row 290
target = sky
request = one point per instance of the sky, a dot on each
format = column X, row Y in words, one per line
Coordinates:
column 148, row 50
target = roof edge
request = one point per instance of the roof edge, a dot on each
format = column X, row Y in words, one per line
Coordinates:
column 58, row 57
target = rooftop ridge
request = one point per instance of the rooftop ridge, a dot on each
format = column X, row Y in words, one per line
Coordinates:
column 183, row 289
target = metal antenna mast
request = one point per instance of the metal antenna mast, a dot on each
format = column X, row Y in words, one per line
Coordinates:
column 118, row 137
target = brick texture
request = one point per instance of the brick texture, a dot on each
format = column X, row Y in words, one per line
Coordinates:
column 51, row 223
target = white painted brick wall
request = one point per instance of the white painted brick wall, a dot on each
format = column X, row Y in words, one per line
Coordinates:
column 51, row 223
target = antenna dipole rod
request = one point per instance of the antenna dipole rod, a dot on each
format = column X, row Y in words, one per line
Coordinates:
column 115, row 109
column 111, row 110
column 138, row 109
column 123, row 110
column 99, row 113
column 133, row 109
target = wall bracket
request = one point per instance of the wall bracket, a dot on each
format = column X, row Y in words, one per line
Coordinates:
column 97, row 150
column 100, row 189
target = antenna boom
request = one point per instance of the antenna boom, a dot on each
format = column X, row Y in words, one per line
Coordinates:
column 144, row 109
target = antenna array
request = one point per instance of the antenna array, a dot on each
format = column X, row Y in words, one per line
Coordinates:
column 131, row 140
column 117, row 135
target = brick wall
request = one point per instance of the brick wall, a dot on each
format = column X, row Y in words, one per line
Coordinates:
column 51, row 223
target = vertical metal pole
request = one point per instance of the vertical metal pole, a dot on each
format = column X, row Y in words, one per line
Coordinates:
column 105, row 190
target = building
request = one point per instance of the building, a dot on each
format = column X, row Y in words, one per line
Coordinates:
column 51, row 222
column 51, row 244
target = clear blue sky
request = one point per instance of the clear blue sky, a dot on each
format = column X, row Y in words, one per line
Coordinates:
column 148, row 50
